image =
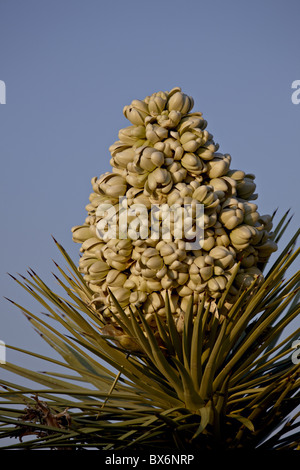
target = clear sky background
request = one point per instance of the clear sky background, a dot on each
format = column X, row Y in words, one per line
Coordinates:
column 71, row 66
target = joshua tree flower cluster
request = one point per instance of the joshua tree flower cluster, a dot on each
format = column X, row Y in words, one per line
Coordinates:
column 166, row 157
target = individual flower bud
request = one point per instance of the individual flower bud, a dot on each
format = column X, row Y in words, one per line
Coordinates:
column 266, row 220
column 265, row 250
column 186, row 190
column 220, row 186
column 179, row 320
column 219, row 165
column 194, row 271
column 232, row 213
column 208, row 243
column 152, row 259
column 222, row 257
column 95, row 200
column 167, row 282
column 221, row 237
column 115, row 261
column 192, row 122
column 205, row 195
column 178, row 152
column 91, row 218
column 206, row 273
column 155, row 133
column 193, row 163
column 182, row 278
column 130, row 195
column 184, row 290
column 164, row 147
column 146, row 272
column 137, row 298
column 122, row 247
column 137, row 181
column 237, row 175
column 154, row 302
column 246, row 276
column 180, row 102
column 245, row 184
column 241, row 236
column 86, row 261
column 174, row 197
column 205, row 270
column 142, row 200
column 112, row 185
column 251, row 215
column 157, row 102
column 117, row 254
column 132, row 134
column 248, row 257
column 177, row 172
column 98, row 270
column 206, row 151
column 99, row 185
column 83, row 232
column 160, row 179
column 171, row 251
column 191, row 141
column 122, row 158
column 92, row 245
column 117, row 147
column 121, row 294
column 175, row 146
column 224, row 187
column 149, row 158
column 169, row 120
column 217, row 284
column 136, row 112
column 115, row 278
column 209, row 220
column 246, row 187
column 153, row 285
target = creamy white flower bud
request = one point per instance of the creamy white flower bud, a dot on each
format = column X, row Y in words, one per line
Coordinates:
column 159, row 180
column 191, row 141
column 206, row 151
column 192, row 122
column 180, row 102
column 155, row 133
column 169, row 120
column 157, row 102
column 138, row 181
column 113, row 185
column 219, row 165
column 232, row 213
column 99, row 268
column 193, row 163
column 83, row 232
column 136, row 112
column 132, row 134
column 265, row 250
column 246, row 277
column 242, row 235
column 266, row 220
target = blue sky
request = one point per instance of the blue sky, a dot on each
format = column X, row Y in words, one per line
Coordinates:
column 70, row 67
